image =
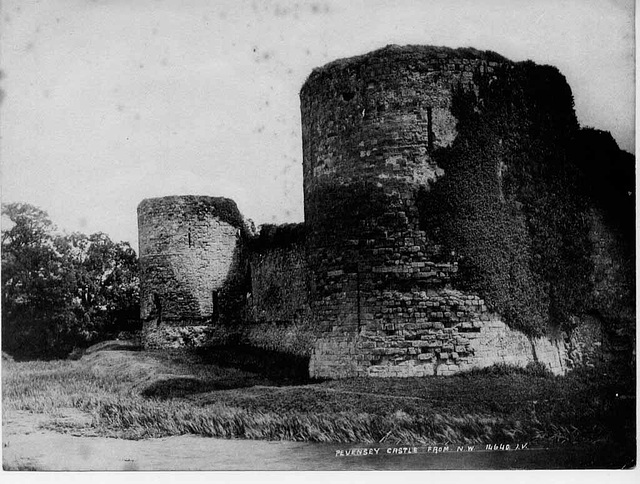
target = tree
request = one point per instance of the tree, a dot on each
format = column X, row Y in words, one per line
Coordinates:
column 32, row 281
column 61, row 291
column 105, row 278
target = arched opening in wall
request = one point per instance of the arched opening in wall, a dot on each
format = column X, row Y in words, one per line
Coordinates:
column 157, row 301
column 215, row 306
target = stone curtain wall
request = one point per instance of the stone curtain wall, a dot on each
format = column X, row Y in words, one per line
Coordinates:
column 279, row 312
column 279, row 304
column 190, row 248
column 280, row 285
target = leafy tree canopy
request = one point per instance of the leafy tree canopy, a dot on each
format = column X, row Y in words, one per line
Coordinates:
column 61, row 291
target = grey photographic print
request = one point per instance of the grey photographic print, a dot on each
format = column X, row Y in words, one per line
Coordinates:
column 318, row 236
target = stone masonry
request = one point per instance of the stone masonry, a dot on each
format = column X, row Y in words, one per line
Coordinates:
column 431, row 333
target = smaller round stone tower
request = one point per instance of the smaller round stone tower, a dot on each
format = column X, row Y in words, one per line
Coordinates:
column 190, row 261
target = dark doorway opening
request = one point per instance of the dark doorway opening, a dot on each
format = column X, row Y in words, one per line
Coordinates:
column 157, row 301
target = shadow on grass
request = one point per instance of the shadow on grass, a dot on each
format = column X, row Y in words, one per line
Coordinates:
column 280, row 368
column 244, row 366
column 183, row 386
column 114, row 345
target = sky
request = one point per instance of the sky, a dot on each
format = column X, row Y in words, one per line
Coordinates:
column 108, row 102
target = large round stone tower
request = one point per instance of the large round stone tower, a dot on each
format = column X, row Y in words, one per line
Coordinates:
column 372, row 127
column 190, row 261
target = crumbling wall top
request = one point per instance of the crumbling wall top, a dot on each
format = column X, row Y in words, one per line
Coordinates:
column 407, row 53
column 224, row 208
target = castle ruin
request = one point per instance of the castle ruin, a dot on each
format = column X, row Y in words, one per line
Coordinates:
column 448, row 226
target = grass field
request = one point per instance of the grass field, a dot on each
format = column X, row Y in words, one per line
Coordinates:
column 245, row 393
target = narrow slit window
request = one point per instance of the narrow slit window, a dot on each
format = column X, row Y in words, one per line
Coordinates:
column 430, row 127
column 189, row 237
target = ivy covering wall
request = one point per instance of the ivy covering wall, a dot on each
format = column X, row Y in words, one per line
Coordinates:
column 514, row 204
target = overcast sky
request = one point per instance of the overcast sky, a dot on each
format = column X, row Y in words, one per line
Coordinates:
column 108, row 102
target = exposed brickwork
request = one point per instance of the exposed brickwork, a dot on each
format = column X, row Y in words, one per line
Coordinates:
column 429, row 333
